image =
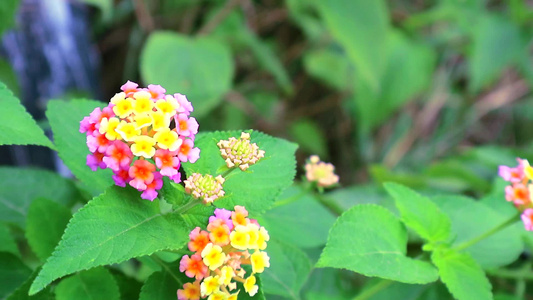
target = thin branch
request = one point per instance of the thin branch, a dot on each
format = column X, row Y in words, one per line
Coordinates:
column 143, row 16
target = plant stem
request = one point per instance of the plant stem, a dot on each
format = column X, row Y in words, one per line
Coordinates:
column 225, row 174
column 520, row 274
column 373, row 290
column 485, row 235
column 188, row 206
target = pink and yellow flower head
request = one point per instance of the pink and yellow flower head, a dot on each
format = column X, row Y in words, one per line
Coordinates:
column 220, row 254
column 240, row 152
column 320, row 172
column 520, row 190
column 142, row 135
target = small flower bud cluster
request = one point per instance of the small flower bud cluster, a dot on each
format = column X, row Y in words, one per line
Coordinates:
column 204, row 187
column 240, row 152
column 142, row 135
column 320, row 172
column 520, row 190
column 231, row 241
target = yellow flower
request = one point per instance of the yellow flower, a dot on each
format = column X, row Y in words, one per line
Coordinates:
column 240, row 238
column 143, row 120
column 128, row 131
column 209, row 285
column 226, row 274
column 123, row 107
column 142, row 105
column 168, row 139
column 143, row 146
column 528, row 170
column 118, row 97
column 260, row 261
column 108, row 128
column 263, row 238
column 250, row 287
column 167, row 106
column 160, row 121
column 213, row 256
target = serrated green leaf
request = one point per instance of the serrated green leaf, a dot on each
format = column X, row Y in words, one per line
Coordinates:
column 370, row 240
column 96, row 283
column 12, row 273
column 21, row 293
column 309, row 229
column 112, row 228
column 17, row 126
column 200, row 68
column 258, row 187
column 19, row 187
column 45, row 225
column 288, row 271
column 72, row 148
column 462, row 275
column 7, row 242
column 470, row 219
column 420, row 214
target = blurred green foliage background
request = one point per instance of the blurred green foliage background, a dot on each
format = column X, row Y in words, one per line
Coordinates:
column 433, row 94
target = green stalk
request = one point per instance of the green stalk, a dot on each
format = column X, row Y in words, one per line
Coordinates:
column 187, row 206
column 485, row 235
column 373, row 290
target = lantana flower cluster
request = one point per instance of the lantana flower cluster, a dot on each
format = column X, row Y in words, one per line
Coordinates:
column 520, row 190
column 142, row 135
column 320, row 172
column 231, row 241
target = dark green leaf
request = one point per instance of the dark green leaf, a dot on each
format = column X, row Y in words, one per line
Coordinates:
column 22, row 292
column 289, row 269
column 309, row 229
column 19, row 187
column 96, row 283
column 7, row 242
column 65, row 120
column 45, row 226
column 12, row 273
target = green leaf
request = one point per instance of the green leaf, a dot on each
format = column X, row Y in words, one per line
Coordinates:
column 370, row 240
column 308, row 135
column 65, row 120
column 288, row 271
column 21, row 293
column 129, row 288
column 17, row 126
column 96, row 283
column 462, row 275
column 200, row 68
column 361, row 28
column 19, row 187
column 470, row 219
column 112, row 228
column 7, row 242
column 46, row 222
column 12, row 273
column 496, row 44
column 8, row 76
column 331, row 67
column 408, row 69
column 261, row 184
column 165, row 284
column 307, row 230
column 420, row 214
